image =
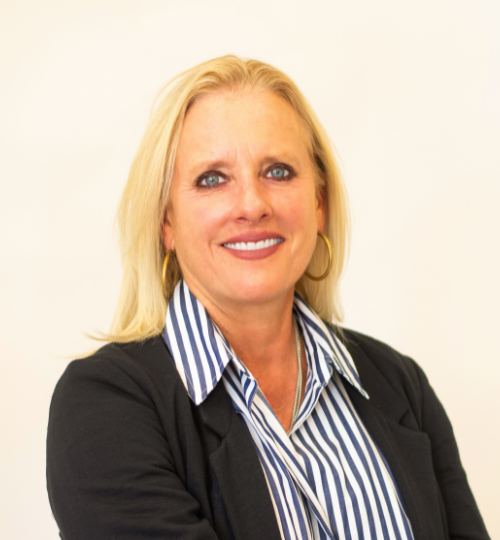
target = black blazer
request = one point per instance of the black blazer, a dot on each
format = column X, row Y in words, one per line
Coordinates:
column 129, row 456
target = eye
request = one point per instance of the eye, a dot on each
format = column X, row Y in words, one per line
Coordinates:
column 211, row 180
column 278, row 172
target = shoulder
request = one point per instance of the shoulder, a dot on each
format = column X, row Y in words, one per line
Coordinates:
column 136, row 358
column 373, row 347
column 393, row 364
column 141, row 370
column 123, row 392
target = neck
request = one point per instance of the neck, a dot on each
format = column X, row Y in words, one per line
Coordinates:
column 260, row 334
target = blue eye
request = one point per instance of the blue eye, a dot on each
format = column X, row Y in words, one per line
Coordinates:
column 278, row 172
column 212, row 180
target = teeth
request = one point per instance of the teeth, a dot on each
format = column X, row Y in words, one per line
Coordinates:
column 253, row 246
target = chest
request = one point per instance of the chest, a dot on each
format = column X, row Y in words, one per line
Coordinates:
column 285, row 392
column 328, row 479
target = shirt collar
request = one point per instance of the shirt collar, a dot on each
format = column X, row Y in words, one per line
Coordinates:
column 324, row 347
column 201, row 353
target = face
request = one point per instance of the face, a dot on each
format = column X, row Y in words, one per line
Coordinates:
column 243, row 212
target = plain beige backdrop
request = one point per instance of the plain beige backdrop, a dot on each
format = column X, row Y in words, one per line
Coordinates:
column 409, row 93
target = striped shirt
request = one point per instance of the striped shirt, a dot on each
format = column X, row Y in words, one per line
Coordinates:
column 328, row 479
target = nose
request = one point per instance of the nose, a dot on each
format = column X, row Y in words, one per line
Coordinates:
column 253, row 202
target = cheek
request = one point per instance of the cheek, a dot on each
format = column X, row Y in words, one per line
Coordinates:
column 300, row 210
column 202, row 221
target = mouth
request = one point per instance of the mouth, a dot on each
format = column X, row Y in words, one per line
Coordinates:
column 253, row 246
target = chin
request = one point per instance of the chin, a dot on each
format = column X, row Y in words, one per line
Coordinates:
column 257, row 290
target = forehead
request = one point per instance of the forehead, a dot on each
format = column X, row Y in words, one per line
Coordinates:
column 259, row 120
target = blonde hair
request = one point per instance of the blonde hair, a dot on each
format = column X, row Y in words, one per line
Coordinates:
column 142, row 306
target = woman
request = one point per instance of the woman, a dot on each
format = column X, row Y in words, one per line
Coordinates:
column 226, row 405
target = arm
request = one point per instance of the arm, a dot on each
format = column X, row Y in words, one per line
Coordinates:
column 110, row 470
column 463, row 517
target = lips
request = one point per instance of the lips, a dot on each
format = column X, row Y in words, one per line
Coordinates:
column 253, row 246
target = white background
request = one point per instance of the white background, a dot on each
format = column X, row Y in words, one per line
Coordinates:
column 409, row 93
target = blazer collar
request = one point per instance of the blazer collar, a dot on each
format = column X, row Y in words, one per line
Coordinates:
column 391, row 422
column 237, row 468
column 382, row 395
column 239, row 478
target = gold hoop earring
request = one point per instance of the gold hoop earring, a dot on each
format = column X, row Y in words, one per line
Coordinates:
column 330, row 260
column 164, row 272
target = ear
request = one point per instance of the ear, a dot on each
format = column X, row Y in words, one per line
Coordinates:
column 321, row 209
column 167, row 232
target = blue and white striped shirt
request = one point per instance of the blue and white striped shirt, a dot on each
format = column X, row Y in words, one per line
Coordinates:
column 328, row 479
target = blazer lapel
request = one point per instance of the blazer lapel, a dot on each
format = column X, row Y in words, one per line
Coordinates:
column 388, row 418
column 237, row 469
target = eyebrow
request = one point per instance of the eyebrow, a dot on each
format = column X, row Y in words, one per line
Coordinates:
column 221, row 163
column 209, row 165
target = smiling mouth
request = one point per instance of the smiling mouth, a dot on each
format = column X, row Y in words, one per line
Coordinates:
column 254, row 246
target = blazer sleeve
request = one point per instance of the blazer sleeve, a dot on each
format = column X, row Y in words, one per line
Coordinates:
column 462, row 514
column 110, row 471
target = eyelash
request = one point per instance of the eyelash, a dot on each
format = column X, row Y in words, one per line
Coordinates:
column 204, row 176
column 286, row 168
